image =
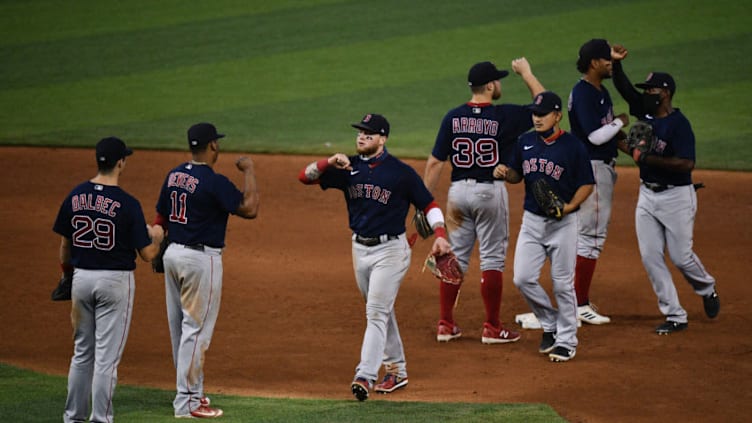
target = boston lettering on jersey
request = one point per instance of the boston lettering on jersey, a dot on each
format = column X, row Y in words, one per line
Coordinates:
column 183, row 180
column 543, row 166
column 369, row 191
column 471, row 125
column 100, row 204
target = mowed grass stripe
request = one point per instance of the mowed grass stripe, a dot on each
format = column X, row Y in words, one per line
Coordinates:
column 237, row 37
column 35, row 21
column 237, row 83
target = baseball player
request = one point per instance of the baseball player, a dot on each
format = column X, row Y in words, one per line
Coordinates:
column 102, row 227
column 592, row 120
column 378, row 190
column 194, row 205
column 667, row 201
column 473, row 137
column 561, row 159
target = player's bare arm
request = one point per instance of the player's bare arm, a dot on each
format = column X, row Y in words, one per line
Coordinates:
column 340, row 161
column 156, row 233
column 618, row 52
column 505, row 173
column 440, row 246
column 432, row 173
column 582, row 193
column 249, row 207
column 522, row 67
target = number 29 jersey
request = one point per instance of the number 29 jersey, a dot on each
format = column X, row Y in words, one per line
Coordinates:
column 196, row 202
column 106, row 226
column 475, row 137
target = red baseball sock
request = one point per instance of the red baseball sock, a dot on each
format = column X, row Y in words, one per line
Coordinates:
column 490, row 290
column 583, row 276
column 447, row 297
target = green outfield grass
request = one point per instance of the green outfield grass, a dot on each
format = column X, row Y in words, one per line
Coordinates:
column 289, row 76
column 31, row 397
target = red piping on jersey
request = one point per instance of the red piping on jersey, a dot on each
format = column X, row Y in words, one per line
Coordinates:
column 554, row 137
column 471, row 104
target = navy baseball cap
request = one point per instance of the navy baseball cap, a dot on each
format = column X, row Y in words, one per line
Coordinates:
column 202, row 133
column 483, row 73
column 111, row 149
column 658, row 80
column 597, row 48
column 545, row 103
column 373, row 123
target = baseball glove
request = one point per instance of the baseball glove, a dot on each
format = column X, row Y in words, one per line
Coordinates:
column 421, row 224
column 640, row 137
column 446, row 268
column 63, row 290
column 157, row 263
column 547, row 199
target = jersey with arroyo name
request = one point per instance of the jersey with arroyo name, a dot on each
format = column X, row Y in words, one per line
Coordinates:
column 590, row 109
column 197, row 202
column 674, row 138
column 105, row 225
column 477, row 137
column 563, row 162
column 378, row 193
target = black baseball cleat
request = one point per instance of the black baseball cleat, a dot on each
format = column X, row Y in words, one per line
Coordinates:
column 670, row 327
column 360, row 388
column 547, row 342
column 712, row 304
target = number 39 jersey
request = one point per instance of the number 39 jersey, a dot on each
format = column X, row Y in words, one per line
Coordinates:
column 105, row 225
column 196, row 202
column 477, row 137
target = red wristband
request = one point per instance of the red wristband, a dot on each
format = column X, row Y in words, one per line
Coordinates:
column 440, row 232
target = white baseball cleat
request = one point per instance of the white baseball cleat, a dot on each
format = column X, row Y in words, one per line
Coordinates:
column 588, row 314
column 529, row 321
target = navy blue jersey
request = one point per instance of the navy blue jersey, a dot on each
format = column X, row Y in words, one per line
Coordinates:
column 590, row 109
column 563, row 162
column 477, row 137
column 105, row 225
column 674, row 138
column 378, row 193
column 196, row 203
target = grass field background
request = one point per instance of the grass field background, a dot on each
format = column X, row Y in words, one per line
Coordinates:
column 290, row 76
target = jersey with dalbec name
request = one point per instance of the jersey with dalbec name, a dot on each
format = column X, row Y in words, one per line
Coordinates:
column 674, row 138
column 563, row 161
column 378, row 193
column 106, row 226
column 590, row 109
column 197, row 202
column 477, row 137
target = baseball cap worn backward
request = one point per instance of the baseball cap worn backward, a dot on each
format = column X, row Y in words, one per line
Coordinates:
column 111, row 149
column 658, row 80
column 545, row 103
column 202, row 133
column 597, row 48
column 375, row 123
column 483, row 73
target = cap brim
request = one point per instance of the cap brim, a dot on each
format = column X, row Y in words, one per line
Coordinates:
column 540, row 110
column 644, row 85
column 364, row 127
column 220, row 136
column 503, row 74
column 128, row 152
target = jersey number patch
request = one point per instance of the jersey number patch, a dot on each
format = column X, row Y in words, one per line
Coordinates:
column 102, row 229
column 177, row 214
column 483, row 152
